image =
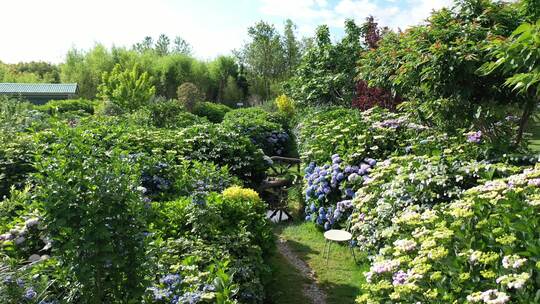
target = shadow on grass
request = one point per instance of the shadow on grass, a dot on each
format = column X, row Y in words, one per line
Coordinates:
column 341, row 278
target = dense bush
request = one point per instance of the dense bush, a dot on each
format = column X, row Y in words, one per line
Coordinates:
column 189, row 95
column 16, row 161
column 130, row 89
column 285, row 105
column 421, row 181
column 166, row 180
column 69, row 105
column 16, row 116
column 203, row 142
column 225, row 147
column 368, row 97
column 214, row 112
column 435, row 65
column 172, row 114
column 262, row 128
column 230, row 228
column 482, row 248
column 82, row 187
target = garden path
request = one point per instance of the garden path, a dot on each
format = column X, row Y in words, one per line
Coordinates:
column 311, row 289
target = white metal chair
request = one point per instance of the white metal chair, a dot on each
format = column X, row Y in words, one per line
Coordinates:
column 337, row 236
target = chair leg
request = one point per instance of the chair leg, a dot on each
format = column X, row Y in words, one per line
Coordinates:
column 325, row 250
column 328, row 254
column 354, row 256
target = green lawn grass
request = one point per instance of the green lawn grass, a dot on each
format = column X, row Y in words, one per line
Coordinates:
column 286, row 284
column 341, row 278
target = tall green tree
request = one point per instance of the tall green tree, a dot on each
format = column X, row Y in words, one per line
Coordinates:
column 181, row 46
column 221, row 69
column 326, row 72
column 162, row 45
column 146, row 45
column 86, row 69
column 291, row 47
column 518, row 58
column 263, row 56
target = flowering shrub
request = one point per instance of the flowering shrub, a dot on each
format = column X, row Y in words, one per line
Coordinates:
column 405, row 181
column 330, row 189
column 263, row 128
column 356, row 135
column 171, row 114
column 229, row 227
column 481, row 248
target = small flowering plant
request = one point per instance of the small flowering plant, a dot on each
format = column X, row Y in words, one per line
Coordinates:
column 330, row 189
column 480, row 248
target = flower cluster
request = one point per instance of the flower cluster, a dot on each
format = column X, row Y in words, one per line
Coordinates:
column 334, row 184
column 474, row 137
column 28, row 239
column 415, row 256
column 171, row 290
column 278, row 142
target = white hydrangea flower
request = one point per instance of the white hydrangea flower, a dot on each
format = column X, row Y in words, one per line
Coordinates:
column 405, row 245
column 513, row 261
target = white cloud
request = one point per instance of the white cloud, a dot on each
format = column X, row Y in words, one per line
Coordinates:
column 298, row 10
column 310, row 13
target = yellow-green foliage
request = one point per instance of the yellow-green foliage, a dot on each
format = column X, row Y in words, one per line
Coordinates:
column 285, row 105
column 239, row 193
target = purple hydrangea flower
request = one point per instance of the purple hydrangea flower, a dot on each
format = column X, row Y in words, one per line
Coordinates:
column 534, row 182
column 474, row 137
column 399, row 278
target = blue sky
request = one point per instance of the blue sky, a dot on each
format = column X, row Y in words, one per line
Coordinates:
column 45, row 30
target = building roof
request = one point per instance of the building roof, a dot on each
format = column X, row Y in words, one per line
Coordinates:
column 38, row 88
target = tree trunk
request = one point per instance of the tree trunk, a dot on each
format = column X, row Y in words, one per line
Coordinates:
column 527, row 112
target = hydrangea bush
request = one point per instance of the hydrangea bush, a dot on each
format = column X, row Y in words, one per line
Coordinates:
column 264, row 129
column 481, row 248
column 355, row 135
column 331, row 187
column 419, row 181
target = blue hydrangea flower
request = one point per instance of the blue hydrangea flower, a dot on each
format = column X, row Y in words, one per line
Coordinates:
column 159, row 294
column 170, row 279
column 327, row 226
column 29, row 294
column 370, row 161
